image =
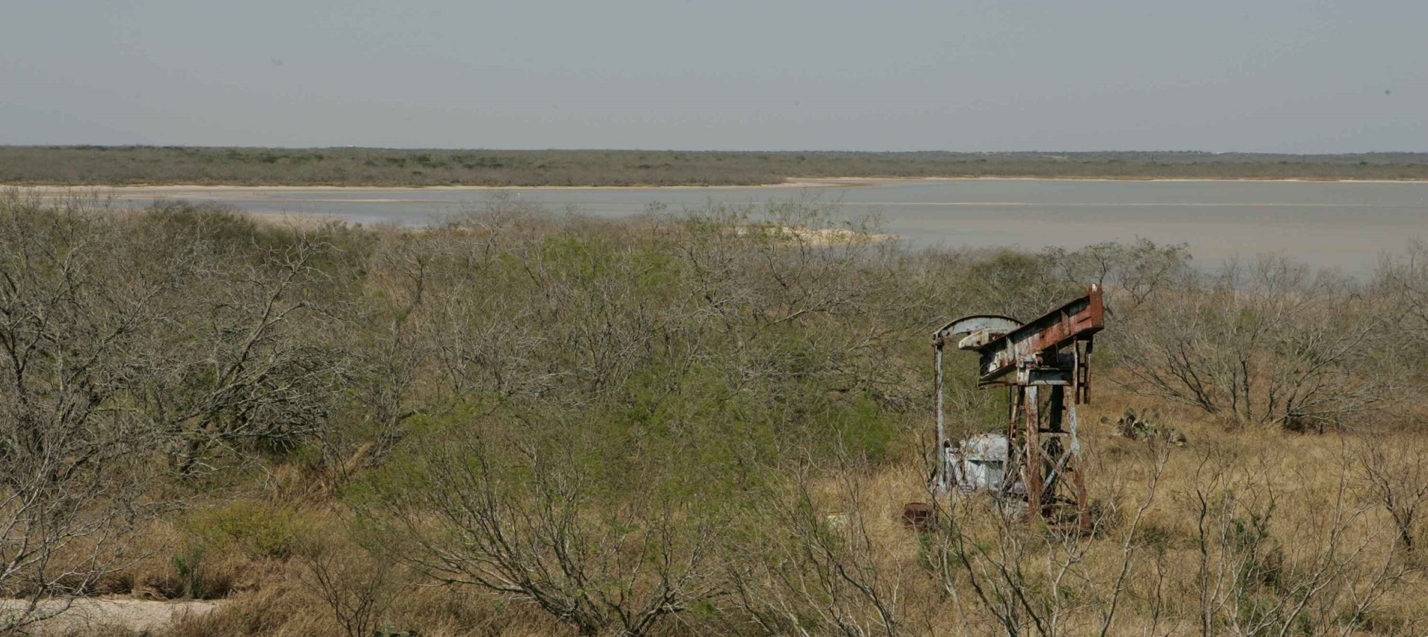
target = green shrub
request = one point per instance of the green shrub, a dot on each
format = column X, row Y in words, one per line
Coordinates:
column 188, row 563
column 256, row 529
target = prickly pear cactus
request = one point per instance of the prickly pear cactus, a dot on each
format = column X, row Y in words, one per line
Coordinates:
column 1144, row 427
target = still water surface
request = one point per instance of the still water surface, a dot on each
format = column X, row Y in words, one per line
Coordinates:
column 1341, row 224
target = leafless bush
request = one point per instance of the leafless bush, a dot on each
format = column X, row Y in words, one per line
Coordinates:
column 1319, row 576
column 758, row 276
column 1404, row 279
column 71, row 312
column 813, row 565
column 245, row 374
column 539, row 532
column 1393, row 471
column 993, row 562
column 125, row 336
column 1270, row 343
column 1133, row 272
column 386, row 350
column 359, row 588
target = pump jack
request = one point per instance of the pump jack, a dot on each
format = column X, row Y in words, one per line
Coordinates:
column 1037, row 362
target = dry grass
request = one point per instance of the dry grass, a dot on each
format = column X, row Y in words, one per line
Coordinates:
column 1304, row 485
column 1301, row 474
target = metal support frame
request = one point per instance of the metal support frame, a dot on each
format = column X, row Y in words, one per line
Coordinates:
column 1052, row 352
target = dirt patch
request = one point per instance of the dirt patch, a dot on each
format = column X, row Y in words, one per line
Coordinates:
column 132, row 614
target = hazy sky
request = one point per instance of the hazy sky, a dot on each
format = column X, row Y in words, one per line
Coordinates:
column 1251, row 75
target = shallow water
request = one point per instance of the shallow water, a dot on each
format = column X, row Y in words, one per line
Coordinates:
column 1344, row 225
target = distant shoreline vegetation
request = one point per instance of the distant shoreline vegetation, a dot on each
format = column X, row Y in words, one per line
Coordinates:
column 169, row 165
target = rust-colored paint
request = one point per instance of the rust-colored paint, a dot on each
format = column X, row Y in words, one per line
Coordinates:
column 1063, row 326
column 1032, row 470
column 918, row 516
column 1042, row 452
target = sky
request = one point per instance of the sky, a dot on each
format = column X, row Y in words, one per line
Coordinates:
column 1294, row 76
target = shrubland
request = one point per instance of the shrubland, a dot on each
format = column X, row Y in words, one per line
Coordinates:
column 519, row 422
column 390, row 167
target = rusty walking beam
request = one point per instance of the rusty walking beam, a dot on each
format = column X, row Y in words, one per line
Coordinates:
column 1019, row 348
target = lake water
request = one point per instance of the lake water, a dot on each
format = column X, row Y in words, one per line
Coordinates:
column 1337, row 224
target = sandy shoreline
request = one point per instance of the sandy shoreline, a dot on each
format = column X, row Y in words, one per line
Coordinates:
column 227, row 188
column 177, row 190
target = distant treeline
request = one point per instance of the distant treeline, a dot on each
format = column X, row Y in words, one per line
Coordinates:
column 123, row 165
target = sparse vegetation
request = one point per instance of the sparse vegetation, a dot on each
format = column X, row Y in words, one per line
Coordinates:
column 152, row 165
column 524, row 423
